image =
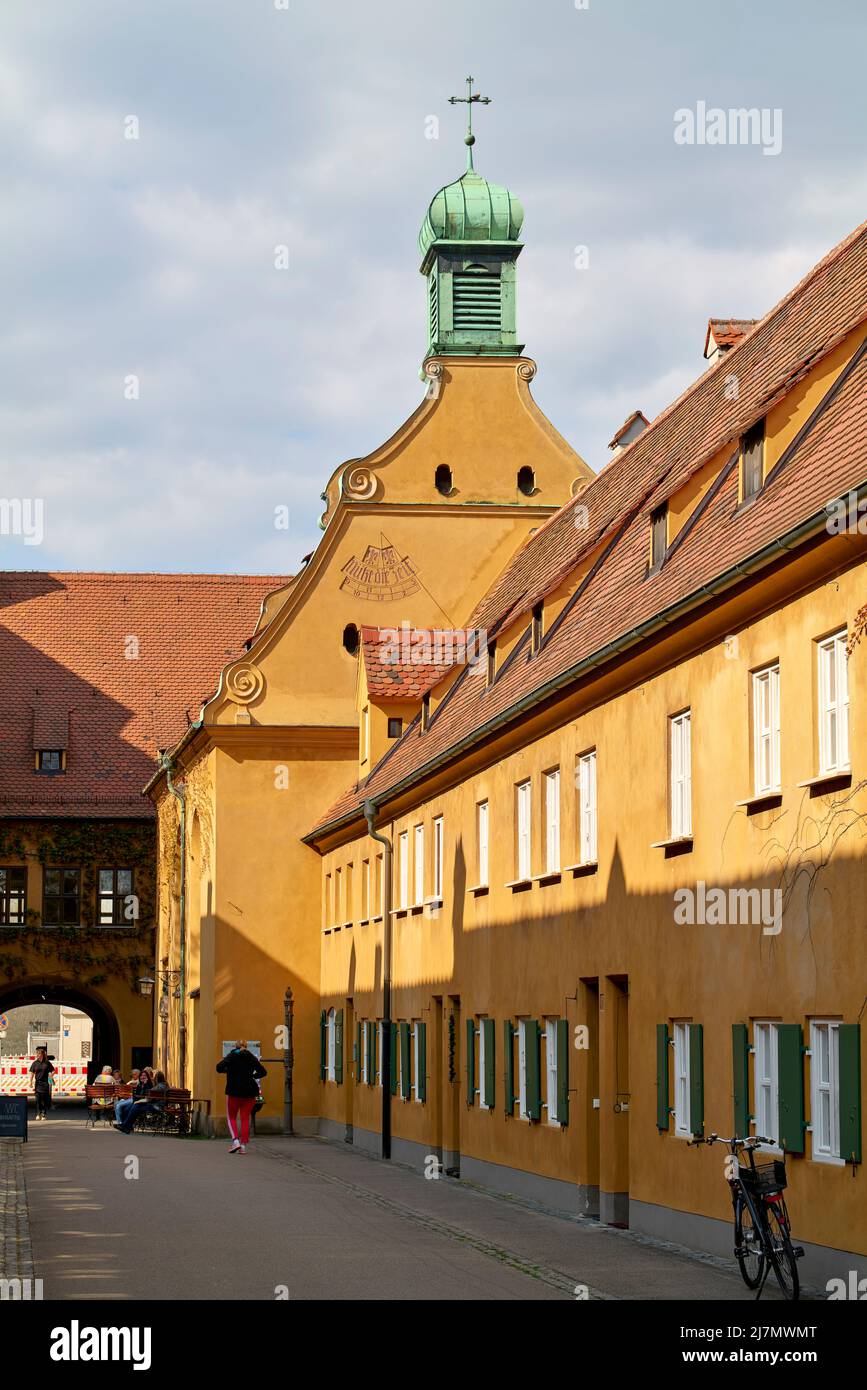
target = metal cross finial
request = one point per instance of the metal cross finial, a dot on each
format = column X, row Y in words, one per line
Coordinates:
column 471, row 96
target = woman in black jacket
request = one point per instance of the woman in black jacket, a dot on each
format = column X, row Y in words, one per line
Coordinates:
column 242, row 1071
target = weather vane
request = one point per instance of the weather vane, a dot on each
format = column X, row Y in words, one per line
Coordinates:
column 471, row 96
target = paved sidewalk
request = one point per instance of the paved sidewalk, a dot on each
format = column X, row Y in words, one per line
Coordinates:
column 311, row 1220
column 16, row 1256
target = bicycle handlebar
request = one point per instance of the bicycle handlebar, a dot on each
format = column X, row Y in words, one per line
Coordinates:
column 752, row 1141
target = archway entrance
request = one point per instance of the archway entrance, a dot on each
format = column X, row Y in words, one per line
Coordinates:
column 106, row 1033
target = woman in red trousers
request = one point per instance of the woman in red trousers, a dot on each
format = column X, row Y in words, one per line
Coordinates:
column 242, row 1070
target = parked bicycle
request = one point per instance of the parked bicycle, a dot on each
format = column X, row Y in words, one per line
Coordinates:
column 763, row 1237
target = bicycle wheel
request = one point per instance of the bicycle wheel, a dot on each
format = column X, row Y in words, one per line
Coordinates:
column 748, row 1246
column 783, row 1261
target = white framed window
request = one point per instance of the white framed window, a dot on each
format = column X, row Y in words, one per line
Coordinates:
column 766, row 1081
column 415, row 1061
column 485, row 1101
column 681, row 775
column 552, row 821
column 482, row 842
column 825, row 1089
column 338, row 898
column 331, row 1045
column 766, row 730
column 587, row 850
column 365, row 1054
column 681, row 1079
column 378, row 881
column 523, row 847
column 383, row 1043
column 326, row 906
column 438, row 855
column 365, row 733
column 348, row 895
column 400, row 1091
column 833, row 689
column 551, row 1071
column 365, row 890
column 522, row 1069
column 403, row 870
column 418, row 863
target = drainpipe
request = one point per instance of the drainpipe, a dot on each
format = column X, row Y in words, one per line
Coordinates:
column 178, row 793
column 385, row 1066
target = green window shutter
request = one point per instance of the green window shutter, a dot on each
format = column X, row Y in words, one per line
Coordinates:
column 849, row 1040
column 471, row 1062
column 357, row 1057
column 405, row 1072
column 371, row 1054
column 563, row 1071
column 696, row 1078
column 393, row 1058
column 741, row 1079
column 790, row 1086
column 490, row 1031
column 663, row 1116
column 533, row 1076
column 421, row 1079
column 509, row 1052
column 323, row 1045
column 338, row 1048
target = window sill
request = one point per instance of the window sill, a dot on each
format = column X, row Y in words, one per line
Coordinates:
column 416, row 909
column 479, row 890
column 519, row 885
column 590, row 866
column 552, row 876
column 675, row 844
column 841, row 777
column 431, row 903
column 830, row 1160
column 363, row 921
column 761, row 800
column 378, row 918
column 400, row 912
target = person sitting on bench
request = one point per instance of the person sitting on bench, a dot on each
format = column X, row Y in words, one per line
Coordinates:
column 148, row 1104
column 140, row 1086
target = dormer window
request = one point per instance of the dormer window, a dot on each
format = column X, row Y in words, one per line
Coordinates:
column 491, row 672
column 752, row 461
column 425, row 712
column 50, row 760
column 526, row 481
column 395, row 727
column 658, row 535
column 351, row 639
column 443, row 479
column 537, row 628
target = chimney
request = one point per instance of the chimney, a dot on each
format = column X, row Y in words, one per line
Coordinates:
column 723, row 335
column 631, row 428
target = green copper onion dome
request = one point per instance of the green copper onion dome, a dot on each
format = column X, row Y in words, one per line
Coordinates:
column 471, row 209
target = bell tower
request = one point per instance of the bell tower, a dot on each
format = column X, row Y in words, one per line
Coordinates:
column 469, row 246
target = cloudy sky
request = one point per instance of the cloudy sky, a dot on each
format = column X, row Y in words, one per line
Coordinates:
column 304, row 123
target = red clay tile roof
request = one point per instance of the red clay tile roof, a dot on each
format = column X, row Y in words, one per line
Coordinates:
column 610, row 516
column 64, row 640
column 727, row 333
column 403, row 664
column 627, row 424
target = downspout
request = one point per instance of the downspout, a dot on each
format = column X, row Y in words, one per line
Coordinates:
column 178, row 793
column 385, row 1065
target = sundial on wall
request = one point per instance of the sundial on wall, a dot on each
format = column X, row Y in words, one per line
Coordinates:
column 380, row 575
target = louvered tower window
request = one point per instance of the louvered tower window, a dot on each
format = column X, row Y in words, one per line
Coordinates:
column 476, row 301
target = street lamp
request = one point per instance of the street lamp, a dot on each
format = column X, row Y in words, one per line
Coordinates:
column 146, row 983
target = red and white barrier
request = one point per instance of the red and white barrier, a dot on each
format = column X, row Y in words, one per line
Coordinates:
column 68, row 1081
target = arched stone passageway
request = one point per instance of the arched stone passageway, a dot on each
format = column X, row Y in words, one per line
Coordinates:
column 106, row 1032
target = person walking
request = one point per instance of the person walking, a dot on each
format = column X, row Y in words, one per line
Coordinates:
column 242, row 1070
column 41, row 1071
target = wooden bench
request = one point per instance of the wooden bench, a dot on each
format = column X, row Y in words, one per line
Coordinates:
column 172, row 1116
column 100, row 1101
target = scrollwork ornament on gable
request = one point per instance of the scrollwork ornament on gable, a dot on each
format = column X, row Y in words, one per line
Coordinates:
column 244, row 682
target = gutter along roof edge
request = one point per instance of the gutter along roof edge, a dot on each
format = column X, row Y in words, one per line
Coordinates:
column 757, row 561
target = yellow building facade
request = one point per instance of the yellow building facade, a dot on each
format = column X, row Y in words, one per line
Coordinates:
column 590, row 884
